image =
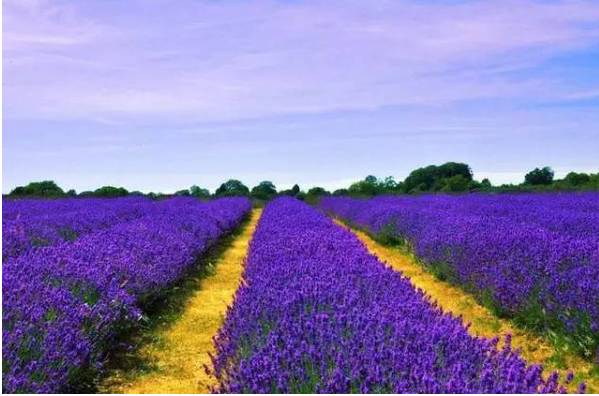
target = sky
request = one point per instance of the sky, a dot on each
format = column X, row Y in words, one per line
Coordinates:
column 160, row 95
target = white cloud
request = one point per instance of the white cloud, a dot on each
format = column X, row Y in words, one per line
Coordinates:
column 226, row 61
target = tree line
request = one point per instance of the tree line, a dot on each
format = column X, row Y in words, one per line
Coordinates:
column 451, row 177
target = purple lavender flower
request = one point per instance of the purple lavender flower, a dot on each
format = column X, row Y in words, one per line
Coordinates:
column 317, row 313
column 64, row 303
column 533, row 257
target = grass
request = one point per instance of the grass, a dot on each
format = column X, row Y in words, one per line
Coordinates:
column 169, row 352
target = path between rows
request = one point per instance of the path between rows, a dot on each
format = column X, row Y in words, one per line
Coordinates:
column 180, row 351
column 483, row 323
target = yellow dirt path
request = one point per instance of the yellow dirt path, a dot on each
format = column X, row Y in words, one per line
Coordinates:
column 483, row 323
column 181, row 350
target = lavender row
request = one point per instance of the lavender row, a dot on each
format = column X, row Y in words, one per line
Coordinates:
column 532, row 257
column 63, row 304
column 317, row 313
column 28, row 224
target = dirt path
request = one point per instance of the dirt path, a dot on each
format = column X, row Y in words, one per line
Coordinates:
column 483, row 323
column 179, row 351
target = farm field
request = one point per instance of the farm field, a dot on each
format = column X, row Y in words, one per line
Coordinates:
column 293, row 301
column 64, row 303
column 300, row 197
column 534, row 258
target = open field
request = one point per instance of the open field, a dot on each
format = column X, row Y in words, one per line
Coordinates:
column 531, row 258
column 431, row 294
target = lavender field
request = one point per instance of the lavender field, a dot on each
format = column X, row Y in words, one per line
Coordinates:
column 301, row 305
column 318, row 314
column 530, row 257
column 66, row 298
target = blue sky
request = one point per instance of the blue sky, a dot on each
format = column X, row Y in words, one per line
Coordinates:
column 156, row 96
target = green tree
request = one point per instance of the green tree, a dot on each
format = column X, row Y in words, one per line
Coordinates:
column 72, row 193
column 232, row 188
column 87, row 193
column 183, row 193
column 264, row 191
column 318, row 192
column 199, row 192
column 295, row 189
column 577, row 179
column 314, row 194
column 110, row 192
column 368, row 187
column 46, row 188
column 341, row 192
column 389, row 184
column 456, row 183
column 434, row 178
column 538, row 176
column 292, row 192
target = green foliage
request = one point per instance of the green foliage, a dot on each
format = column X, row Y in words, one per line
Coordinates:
column 367, row 187
column 72, row 193
column 317, row 192
column 232, row 188
column 435, row 178
column 110, row 192
column 539, row 176
column 577, row 179
column 456, row 183
column 372, row 186
column 485, row 184
column 292, row 192
column 341, row 192
column 199, row 192
column 264, row 191
column 183, row 193
column 46, row 188
column 314, row 194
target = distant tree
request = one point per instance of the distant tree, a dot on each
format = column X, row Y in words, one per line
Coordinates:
column 292, row 192
column 183, row 193
column 456, row 183
column 46, row 188
column 199, row 192
column 577, row 179
column 450, row 169
column 87, row 193
column 368, row 187
column 318, row 191
column 110, row 192
column 301, row 196
column 421, row 179
column 136, row 194
column 538, row 176
column 434, row 178
column 341, row 192
column 314, row 194
column 264, row 191
column 72, row 193
column 486, row 184
column 388, row 184
column 232, row 187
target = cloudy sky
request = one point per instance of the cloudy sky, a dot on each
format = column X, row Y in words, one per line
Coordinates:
column 159, row 95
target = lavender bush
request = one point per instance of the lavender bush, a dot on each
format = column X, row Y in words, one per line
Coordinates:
column 317, row 313
column 63, row 304
column 31, row 223
column 532, row 257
